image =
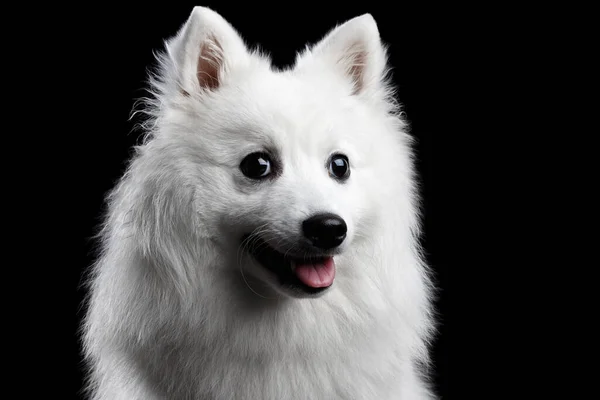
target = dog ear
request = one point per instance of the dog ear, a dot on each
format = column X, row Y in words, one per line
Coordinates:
column 204, row 51
column 355, row 50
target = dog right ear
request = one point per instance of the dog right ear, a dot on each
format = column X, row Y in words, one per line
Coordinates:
column 204, row 51
column 354, row 51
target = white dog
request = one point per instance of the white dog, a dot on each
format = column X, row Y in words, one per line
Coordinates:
column 263, row 243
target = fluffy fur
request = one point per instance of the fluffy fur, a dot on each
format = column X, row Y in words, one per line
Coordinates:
column 178, row 309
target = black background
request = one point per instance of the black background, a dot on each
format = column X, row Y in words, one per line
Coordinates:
column 437, row 58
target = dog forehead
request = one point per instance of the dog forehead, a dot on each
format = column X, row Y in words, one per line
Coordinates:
column 290, row 101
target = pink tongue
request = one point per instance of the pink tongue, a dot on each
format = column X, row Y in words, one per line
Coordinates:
column 319, row 274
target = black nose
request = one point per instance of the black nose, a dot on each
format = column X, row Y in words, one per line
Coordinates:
column 325, row 231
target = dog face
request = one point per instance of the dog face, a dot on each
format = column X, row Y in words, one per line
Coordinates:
column 295, row 179
column 287, row 165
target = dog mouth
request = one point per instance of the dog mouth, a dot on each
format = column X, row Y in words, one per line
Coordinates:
column 310, row 274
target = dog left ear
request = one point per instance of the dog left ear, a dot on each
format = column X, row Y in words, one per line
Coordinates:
column 204, row 51
column 355, row 50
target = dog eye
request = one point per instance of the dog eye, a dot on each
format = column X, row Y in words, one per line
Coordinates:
column 256, row 165
column 339, row 167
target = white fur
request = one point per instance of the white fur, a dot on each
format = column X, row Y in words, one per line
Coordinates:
column 177, row 310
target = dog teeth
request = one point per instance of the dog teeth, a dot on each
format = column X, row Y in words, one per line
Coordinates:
column 293, row 265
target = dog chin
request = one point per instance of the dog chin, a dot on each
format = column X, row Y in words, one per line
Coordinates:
column 310, row 275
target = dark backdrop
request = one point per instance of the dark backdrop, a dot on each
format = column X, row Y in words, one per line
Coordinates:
column 431, row 51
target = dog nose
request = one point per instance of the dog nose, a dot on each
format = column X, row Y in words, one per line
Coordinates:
column 325, row 231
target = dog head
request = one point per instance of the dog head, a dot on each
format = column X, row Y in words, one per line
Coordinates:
column 288, row 170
